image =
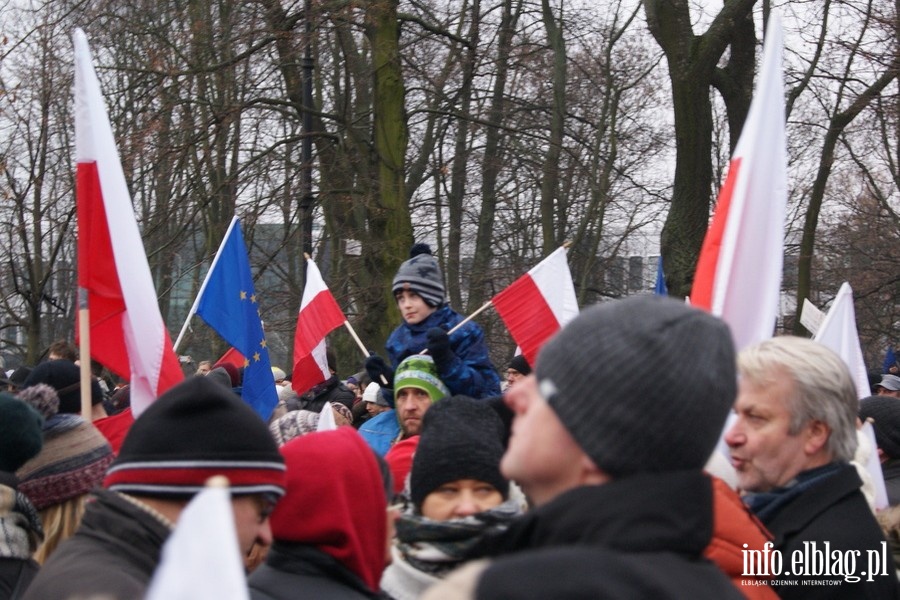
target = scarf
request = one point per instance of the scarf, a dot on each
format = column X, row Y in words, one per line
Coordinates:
column 437, row 547
column 767, row 504
column 20, row 525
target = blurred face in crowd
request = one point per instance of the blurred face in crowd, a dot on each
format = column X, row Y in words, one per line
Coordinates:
column 542, row 455
column 204, row 367
column 763, row 452
column 460, row 498
column 513, row 376
column 375, row 409
column 413, row 307
column 251, row 519
column 411, row 404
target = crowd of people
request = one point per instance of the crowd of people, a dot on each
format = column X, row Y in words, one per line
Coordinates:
column 588, row 475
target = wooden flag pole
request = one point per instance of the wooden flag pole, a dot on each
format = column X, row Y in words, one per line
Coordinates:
column 84, row 353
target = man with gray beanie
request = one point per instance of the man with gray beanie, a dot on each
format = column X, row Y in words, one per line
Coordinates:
column 613, row 460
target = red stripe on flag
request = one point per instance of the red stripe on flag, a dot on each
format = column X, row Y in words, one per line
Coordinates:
column 527, row 315
column 97, row 273
column 319, row 317
column 707, row 263
column 234, row 357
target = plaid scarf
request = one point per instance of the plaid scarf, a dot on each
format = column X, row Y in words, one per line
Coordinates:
column 437, row 547
column 20, row 525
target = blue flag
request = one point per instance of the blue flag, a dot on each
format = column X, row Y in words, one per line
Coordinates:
column 229, row 304
column 660, row 289
column 890, row 360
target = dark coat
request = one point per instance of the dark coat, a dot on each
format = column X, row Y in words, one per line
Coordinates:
column 15, row 576
column 470, row 372
column 834, row 511
column 301, row 571
column 112, row 554
column 331, row 390
column 637, row 537
column 890, row 469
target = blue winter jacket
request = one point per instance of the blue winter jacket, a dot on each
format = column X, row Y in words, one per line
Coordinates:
column 380, row 431
column 470, row 372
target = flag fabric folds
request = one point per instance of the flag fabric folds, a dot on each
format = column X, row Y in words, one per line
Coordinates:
column 201, row 560
column 127, row 332
column 228, row 303
column 538, row 304
column 660, row 289
column 319, row 315
column 233, row 357
column 738, row 274
column 838, row 332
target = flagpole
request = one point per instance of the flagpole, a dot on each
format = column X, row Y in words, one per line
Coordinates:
column 215, row 261
column 84, row 353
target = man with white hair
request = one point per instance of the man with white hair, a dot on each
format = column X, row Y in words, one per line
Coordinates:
column 791, row 445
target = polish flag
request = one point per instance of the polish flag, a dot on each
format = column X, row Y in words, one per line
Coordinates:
column 233, row 356
column 738, row 273
column 538, row 304
column 319, row 316
column 127, row 333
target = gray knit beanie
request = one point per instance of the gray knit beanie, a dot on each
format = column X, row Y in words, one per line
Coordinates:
column 421, row 274
column 595, row 375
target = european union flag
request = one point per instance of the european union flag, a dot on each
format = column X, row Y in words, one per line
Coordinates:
column 229, row 304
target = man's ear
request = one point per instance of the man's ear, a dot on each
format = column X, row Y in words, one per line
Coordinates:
column 817, row 434
column 591, row 474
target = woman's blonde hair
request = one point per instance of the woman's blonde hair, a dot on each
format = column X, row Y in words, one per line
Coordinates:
column 60, row 522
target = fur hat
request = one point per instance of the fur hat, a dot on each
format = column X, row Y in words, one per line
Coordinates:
column 64, row 376
column 196, row 430
column 885, row 412
column 20, row 433
column 73, row 459
column 421, row 274
column 419, row 371
column 461, row 439
column 593, row 375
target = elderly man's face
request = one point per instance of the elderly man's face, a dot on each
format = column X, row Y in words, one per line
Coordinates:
column 763, row 453
column 542, row 455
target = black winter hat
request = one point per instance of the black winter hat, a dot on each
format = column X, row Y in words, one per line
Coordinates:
column 461, row 439
column 885, row 412
column 64, row 376
column 21, row 436
column 593, row 375
column 196, row 430
column 421, row 274
column 519, row 363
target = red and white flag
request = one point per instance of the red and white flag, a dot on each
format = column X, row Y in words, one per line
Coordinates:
column 319, row 316
column 738, row 273
column 538, row 304
column 127, row 331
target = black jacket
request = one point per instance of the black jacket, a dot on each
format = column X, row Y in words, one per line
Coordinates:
column 331, row 390
column 638, row 537
column 833, row 511
column 112, row 554
column 302, row 571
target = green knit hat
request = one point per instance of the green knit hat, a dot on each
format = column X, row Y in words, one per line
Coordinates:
column 418, row 371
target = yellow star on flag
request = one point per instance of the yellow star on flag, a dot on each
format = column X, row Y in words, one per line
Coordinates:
column 243, row 295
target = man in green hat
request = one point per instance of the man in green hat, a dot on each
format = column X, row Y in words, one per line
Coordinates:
column 416, row 388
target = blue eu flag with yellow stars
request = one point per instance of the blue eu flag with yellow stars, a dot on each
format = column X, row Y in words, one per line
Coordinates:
column 229, row 304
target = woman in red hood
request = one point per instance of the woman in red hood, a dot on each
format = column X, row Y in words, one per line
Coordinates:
column 330, row 528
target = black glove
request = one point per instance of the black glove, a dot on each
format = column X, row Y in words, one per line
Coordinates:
column 376, row 367
column 439, row 346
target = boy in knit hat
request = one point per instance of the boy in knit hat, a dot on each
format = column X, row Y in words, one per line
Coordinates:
column 613, row 461
column 194, row 431
column 461, row 357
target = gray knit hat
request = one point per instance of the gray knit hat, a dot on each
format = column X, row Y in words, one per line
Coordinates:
column 594, row 376
column 421, row 274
